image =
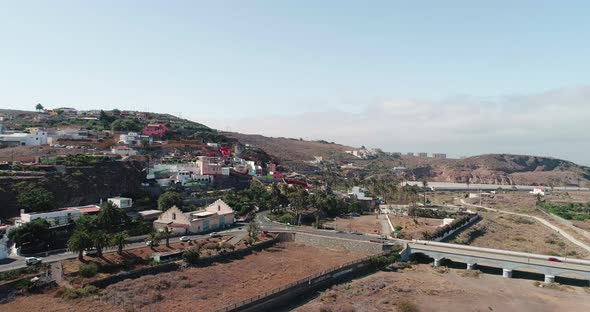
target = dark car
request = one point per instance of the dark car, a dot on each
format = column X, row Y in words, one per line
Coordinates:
column 554, row 260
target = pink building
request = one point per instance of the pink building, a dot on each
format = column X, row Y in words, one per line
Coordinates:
column 209, row 165
column 155, row 130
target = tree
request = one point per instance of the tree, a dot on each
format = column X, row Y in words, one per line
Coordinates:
column 111, row 217
column 191, row 256
column 170, row 199
column 38, row 107
column 100, row 240
column 122, row 124
column 78, row 242
column 35, row 232
column 425, row 187
column 106, row 119
column 154, row 238
column 35, row 199
column 120, row 240
column 299, row 201
column 253, row 230
column 166, row 233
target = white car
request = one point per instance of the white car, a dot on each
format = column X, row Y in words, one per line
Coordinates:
column 214, row 234
column 32, row 260
column 185, row 239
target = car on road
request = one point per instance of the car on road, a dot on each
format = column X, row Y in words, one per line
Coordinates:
column 185, row 239
column 32, row 260
column 214, row 234
column 553, row 259
column 91, row 252
column 151, row 244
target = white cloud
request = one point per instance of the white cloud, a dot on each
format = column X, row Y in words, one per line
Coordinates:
column 553, row 123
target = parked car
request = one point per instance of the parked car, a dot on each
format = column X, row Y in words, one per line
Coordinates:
column 32, row 260
column 150, row 243
column 214, row 234
column 355, row 215
column 91, row 252
column 185, row 239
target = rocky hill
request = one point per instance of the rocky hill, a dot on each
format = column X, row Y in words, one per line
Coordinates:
column 76, row 185
column 501, row 169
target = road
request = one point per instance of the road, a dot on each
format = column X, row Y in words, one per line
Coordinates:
column 16, row 262
column 546, row 223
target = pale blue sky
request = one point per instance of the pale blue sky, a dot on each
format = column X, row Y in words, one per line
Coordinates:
column 221, row 61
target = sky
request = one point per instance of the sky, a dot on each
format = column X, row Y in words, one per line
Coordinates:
column 458, row 77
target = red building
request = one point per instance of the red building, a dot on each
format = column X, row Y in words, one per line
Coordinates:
column 155, row 130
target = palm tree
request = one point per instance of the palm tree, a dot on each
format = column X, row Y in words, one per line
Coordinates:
column 154, row 238
column 110, row 217
column 38, row 107
column 78, row 242
column 166, row 232
column 101, row 240
column 425, row 186
column 119, row 240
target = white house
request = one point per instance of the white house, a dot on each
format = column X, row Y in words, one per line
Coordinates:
column 123, row 150
column 121, row 202
column 56, row 217
column 213, row 217
column 36, row 136
column 72, row 134
column 134, row 138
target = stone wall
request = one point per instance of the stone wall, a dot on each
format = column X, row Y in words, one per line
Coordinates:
column 334, row 242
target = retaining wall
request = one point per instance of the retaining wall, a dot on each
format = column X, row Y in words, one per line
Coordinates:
column 450, row 233
column 334, row 242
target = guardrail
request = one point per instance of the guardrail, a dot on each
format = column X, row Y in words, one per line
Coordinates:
column 306, row 280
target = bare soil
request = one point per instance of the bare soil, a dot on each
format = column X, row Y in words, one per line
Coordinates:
column 429, row 289
column 364, row 224
column 200, row 289
column 515, row 233
column 412, row 228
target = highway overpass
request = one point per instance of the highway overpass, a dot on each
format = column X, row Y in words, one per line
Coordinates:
column 506, row 260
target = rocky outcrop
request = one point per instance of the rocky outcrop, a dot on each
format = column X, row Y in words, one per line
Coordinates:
column 78, row 185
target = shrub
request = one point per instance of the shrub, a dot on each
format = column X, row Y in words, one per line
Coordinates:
column 407, row 306
column 191, row 256
column 70, row 293
column 88, row 270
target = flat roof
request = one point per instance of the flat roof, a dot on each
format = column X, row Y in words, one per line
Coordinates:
column 204, row 214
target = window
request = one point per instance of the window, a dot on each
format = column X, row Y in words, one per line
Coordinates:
column 174, row 216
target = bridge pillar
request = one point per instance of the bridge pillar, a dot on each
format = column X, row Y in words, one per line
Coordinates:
column 436, row 262
column 549, row 279
column 507, row 273
column 470, row 266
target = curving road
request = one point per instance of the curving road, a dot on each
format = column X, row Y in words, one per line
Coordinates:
column 541, row 220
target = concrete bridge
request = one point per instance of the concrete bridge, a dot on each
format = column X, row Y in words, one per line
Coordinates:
column 506, row 260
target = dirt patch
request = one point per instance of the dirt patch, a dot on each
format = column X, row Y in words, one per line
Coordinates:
column 363, row 224
column 201, row 289
column 515, row 233
column 412, row 228
column 420, row 287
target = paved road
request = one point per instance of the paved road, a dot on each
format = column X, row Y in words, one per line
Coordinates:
column 546, row 223
column 17, row 262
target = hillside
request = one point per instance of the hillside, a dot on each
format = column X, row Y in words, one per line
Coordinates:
column 501, row 169
column 297, row 155
column 491, row 168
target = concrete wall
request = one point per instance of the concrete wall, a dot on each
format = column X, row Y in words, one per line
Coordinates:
column 333, row 242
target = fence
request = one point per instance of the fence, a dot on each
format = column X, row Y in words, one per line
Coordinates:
column 309, row 280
